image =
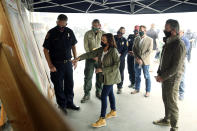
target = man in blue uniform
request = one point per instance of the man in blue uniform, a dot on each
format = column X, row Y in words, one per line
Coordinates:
column 122, row 49
column 58, row 44
column 130, row 57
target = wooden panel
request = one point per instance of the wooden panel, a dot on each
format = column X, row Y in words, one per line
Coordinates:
column 26, row 107
column 6, row 35
column 3, row 116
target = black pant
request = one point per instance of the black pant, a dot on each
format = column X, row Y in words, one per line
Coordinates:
column 121, row 68
column 131, row 69
column 63, row 84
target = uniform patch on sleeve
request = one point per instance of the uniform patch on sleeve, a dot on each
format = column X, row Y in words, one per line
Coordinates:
column 47, row 36
column 127, row 43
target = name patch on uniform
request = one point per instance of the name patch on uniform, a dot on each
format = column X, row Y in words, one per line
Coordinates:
column 68, row 35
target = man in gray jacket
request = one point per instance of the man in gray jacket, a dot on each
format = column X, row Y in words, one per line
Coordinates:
column 169, row 73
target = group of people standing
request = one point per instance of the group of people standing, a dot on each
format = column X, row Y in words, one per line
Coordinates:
column 105, row 54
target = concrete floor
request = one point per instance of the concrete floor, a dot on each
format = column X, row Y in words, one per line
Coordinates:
column 135, row 113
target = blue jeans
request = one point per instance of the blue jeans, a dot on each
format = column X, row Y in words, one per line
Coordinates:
column 107, row 91
column 145, row 69
column 182, row 84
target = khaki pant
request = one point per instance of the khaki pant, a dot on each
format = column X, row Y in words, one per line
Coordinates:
column 170, row 89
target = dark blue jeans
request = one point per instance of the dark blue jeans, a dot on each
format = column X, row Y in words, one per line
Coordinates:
column 145, row 69
column 107, row 91
column 63, row 84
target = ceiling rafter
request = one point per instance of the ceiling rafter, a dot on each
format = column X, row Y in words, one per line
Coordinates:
column 147, row 6
column 106, row 5
column 174, row 5
column 185, row 2
column 91, row 6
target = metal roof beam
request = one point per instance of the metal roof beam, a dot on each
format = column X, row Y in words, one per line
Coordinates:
column 106, row 7
column 63, row 5
column 78, row 2
column 132, row 6
column 185, row 2
column 118, row 2
column 45, row 7
column 147, row 5
column 73, row 8
column 91, row 6
column 180, row 2
column 43, row 1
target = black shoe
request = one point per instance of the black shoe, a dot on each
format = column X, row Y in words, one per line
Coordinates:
column 63, row 110
column 132, row 86
column 174, row 129
column 119, row 91
column 98, row 95
column 73, row 107
column 85, row 99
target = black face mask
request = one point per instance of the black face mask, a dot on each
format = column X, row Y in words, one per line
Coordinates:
column 61, row 28
column 103, row 44
column 120, row 33
column 167, row 34
column 141, row 33
column 165, row 39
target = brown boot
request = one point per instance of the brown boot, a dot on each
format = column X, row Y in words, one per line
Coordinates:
column 100, row 123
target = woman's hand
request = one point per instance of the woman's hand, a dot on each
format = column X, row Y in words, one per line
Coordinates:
column 74, row 62
column 96, row 58
column 98, row 70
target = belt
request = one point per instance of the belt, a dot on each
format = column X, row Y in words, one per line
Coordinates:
column 63, row 61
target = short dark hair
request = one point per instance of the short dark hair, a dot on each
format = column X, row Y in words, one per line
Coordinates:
column 62, row 17
column 96, row 21
column 143, row 26
column 174, row 24
column 121, row 28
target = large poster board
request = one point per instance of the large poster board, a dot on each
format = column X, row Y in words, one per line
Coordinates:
column 26, row 44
